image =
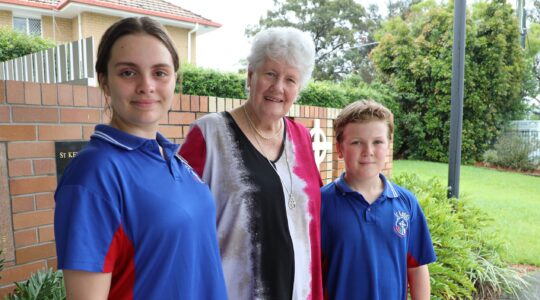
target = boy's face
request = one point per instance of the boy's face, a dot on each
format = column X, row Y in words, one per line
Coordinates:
column 364, row 148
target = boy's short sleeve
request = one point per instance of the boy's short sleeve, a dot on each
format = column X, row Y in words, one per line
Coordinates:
column 420, row 250
column 85, row 224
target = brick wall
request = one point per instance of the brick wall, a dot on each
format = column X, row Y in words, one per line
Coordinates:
column 75, row 29
column 47, row 28
column 34, row 116
column 180, row 39
column 64, row 29
column 93, row 25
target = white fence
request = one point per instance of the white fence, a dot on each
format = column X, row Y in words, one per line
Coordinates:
column 72, row 62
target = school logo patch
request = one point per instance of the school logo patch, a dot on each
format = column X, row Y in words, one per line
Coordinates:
column 190, row 169
column 401, row 224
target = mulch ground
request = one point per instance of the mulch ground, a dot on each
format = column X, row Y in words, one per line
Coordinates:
column 498, row 168
column 525, row 269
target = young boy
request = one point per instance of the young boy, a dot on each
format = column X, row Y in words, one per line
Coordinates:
column 375, row 238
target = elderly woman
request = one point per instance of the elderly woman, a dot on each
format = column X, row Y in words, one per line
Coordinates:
column 261, row 170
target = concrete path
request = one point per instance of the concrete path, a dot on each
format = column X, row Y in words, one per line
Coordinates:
column 532, row 293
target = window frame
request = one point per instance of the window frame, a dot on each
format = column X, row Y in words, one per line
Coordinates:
column 27, row 24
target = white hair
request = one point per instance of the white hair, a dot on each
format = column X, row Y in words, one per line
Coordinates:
column 284, row 44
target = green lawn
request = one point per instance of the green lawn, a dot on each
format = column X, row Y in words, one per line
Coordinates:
column 511, row 199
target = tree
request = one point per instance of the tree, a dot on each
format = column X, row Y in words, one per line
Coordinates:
column 415, row 58
column 339, row 28
column 532, row 53
column 16, row 44
column 533, row 14
column 399, row 7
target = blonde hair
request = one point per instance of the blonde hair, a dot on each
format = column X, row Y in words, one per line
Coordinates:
column 362, row 111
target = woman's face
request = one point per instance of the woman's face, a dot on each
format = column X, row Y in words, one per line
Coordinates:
column 273, row 87
column 140, row 83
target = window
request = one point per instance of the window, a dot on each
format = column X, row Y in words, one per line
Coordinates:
column 27, row 25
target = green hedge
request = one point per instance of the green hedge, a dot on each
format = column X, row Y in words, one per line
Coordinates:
column 469, row 263
column 209, row 82
column 16, row 44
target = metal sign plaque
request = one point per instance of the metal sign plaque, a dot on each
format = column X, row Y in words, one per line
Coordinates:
column 64, row 152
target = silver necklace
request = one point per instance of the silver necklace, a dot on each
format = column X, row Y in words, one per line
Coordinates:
column 291, row 202
column 275, row 134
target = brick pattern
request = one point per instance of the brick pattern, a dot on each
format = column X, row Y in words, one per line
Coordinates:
column 6, row 19
column 180, row 37
column 63, row 29
column 94, row 25
column 34, row 116
column 75, row 29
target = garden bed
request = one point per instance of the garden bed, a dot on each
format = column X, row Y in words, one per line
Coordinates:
column 505, row 169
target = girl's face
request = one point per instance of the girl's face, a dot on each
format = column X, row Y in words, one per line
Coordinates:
column 140, row 84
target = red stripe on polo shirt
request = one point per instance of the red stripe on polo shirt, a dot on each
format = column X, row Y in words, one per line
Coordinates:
column 411, row 261
column 120, row 260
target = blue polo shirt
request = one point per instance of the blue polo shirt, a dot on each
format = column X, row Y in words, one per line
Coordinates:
column 123, row 208
column 368, row 248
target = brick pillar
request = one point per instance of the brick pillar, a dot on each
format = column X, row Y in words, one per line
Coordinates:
column 6, row 229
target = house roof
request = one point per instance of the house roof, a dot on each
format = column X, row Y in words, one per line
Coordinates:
column 157, row 8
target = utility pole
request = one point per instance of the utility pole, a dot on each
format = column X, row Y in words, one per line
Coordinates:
column 522, row 21
column 456, row 113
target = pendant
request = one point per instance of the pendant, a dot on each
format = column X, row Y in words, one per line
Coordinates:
column 292, row 202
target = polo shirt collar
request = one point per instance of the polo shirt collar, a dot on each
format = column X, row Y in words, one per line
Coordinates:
column 123, row 139
column 389, row 189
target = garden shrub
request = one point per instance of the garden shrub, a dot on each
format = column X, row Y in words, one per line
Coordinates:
column 338, row 95
column 16, row 44
column 209, row 82
column 490, row 157
column 469, row 263
column 324, row 94
column 511, row 151
column 43, row 285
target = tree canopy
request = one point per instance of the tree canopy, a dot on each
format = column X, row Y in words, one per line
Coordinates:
column 339, row 28
column 415, row 58
column 532, row 52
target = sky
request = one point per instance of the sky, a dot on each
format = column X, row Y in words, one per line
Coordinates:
column 224, row 47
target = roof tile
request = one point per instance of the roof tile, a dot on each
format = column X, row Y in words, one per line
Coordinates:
column 156, row 6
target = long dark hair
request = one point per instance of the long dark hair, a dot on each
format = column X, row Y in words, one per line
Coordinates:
column 128, row 26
